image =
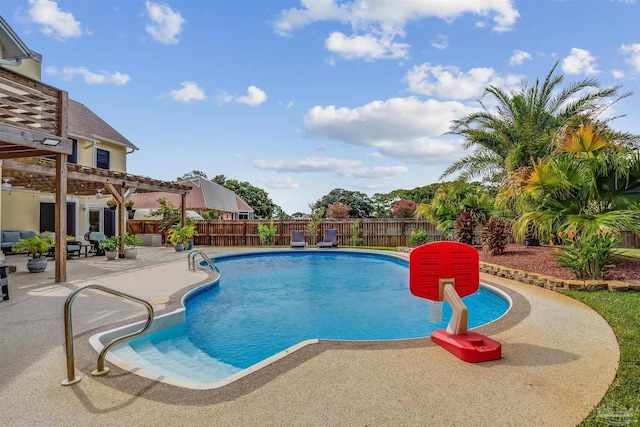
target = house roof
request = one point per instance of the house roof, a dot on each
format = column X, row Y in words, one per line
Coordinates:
column 12, row 47
column 242, row 205
column 218, row 197
column 86, row 124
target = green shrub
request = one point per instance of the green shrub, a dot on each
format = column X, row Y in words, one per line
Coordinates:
column 356, row 238
column 111, row 244
column 495, row 235
column 588, row 254
column 267, row 233
column 418, row 238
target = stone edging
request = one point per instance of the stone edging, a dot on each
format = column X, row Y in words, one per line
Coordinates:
column 552, row 283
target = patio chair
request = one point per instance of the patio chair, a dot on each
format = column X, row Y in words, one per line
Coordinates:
column 330, row 239
column 95, row 238
column 297, row 239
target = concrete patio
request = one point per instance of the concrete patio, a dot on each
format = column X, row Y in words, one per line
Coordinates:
column 559, row 358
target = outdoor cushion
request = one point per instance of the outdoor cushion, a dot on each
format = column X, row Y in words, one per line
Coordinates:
column 11, row 237
column 27, row 234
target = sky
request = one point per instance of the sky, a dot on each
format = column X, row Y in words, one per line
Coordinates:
column 299, row 97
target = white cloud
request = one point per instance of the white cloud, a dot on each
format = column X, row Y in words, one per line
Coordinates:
column 390, row 16
column 346, row 168
column 449, row 82
column 56, row 23
column 290, row 104
column 632, row 51
column 579, row 61
column 404, row 128
column 280, row 182
column 366, row 47
column 617, row 74
column 519, row 57
column 190, row 91
column 90, row 77
column 441, row 42
column 255, row 96
column 166, row 25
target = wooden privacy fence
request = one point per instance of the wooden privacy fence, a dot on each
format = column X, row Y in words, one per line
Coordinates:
column 388, row 232
column 374, row 232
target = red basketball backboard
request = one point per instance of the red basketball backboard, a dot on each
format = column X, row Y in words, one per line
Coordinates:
column 443, row 260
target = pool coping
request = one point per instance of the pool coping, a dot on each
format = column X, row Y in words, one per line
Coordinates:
column 121, row 379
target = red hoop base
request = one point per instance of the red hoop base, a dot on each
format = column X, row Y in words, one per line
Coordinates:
column 470, row 347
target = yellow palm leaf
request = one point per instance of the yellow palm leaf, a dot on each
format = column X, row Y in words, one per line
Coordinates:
column 583, row 140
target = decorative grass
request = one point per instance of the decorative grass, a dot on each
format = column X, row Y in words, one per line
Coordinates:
column 631, row 253
column 621, row 404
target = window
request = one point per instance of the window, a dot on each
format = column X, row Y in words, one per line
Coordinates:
column 103, row 159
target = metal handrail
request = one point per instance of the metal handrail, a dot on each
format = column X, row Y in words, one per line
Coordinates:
column 68, row 331
column 191, row 260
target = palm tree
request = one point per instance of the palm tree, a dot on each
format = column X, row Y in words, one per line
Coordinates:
column 590, row 182
column 521, row 125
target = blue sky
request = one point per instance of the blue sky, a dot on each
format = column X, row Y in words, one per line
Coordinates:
column 302, row 96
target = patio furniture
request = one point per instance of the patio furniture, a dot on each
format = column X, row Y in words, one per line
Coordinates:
column 297, row 239
column 330, row 239
column 95, row 237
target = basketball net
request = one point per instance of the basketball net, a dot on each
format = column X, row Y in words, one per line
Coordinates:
column 435, row 311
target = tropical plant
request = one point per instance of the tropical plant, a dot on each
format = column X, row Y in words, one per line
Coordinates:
column 181, row 234
column 588, row 254
column 212, row 214
column 132, row 240
column 36, row 246
column 465, row 227
column 111, row 244
column 169, row 214
column 267, row 233
column 418, row 238
column 523, row 122
column 495, row 235
column 356, row 236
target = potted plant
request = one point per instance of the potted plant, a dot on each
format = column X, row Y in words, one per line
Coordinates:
column 180, row 235
column 130, row 242
column 112, row 204
column 110, row 246
column 36, row 247
column 129, row 204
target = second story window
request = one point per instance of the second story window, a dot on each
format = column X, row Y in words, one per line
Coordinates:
column 73, row 157
column 103, row 159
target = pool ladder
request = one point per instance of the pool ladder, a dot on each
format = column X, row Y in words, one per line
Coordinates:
column 191, row 260
column 68, row 331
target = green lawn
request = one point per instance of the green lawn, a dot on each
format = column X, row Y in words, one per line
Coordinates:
column 622, row 311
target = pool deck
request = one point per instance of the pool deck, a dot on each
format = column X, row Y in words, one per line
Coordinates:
column 559, row 358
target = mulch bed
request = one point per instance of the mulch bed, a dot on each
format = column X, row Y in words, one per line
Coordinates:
column 540, row 259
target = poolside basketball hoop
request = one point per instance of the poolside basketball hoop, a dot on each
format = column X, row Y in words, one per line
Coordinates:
column 448, row 271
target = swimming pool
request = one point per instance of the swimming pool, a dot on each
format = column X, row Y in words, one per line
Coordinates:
column 265, row 304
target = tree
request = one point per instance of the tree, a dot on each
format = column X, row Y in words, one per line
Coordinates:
column 403, row 209
column 360, row 205
column 522, row 125
column 263, row 207
column 193, row 174
column 383, row 202
column 170, row 214
column 337, row 211
column 219, row 179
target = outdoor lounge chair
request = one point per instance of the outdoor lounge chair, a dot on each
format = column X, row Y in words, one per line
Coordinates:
column 330, row 239
column 297, row 239
column 94, row 238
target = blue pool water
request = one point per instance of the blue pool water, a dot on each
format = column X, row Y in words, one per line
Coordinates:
column 268, row 302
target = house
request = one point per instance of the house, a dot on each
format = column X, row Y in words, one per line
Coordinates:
column 59, row 161
column 205, row 195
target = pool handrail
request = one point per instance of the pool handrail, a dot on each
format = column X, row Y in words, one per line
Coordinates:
column 191, row 260
column 68, row 331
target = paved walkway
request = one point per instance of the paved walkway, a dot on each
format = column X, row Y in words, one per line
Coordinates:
column 559, row 358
